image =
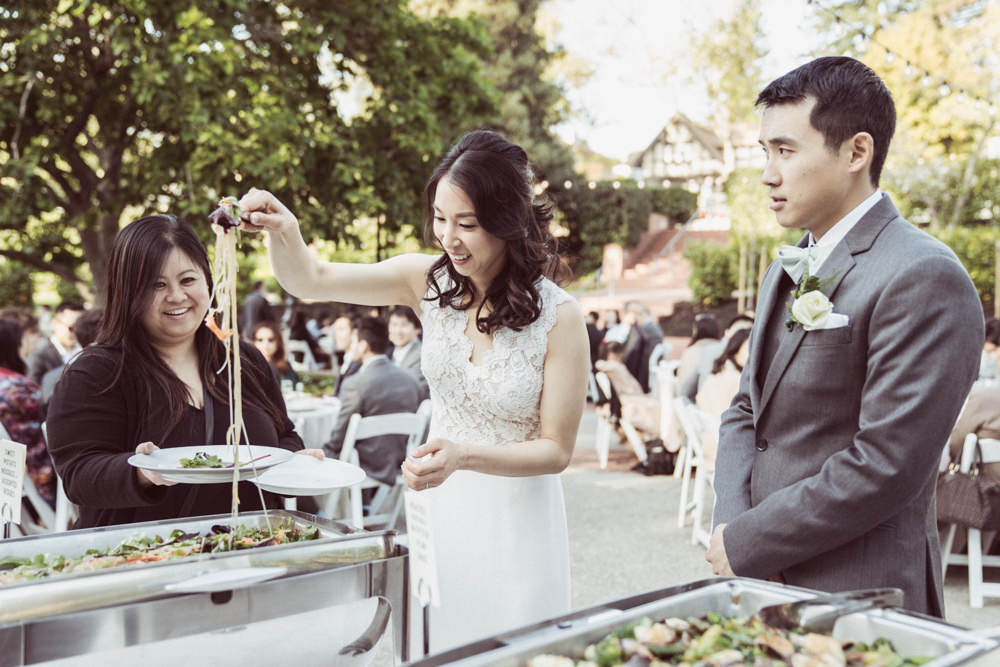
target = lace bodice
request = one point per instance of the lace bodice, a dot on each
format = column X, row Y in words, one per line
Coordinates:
column 498, row 401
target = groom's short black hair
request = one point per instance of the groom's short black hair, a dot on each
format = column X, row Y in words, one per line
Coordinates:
column 850, row 98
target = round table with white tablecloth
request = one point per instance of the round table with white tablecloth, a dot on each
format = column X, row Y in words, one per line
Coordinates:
column 314, row 416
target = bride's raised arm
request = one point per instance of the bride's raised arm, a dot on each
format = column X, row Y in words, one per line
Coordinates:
column 399, row 280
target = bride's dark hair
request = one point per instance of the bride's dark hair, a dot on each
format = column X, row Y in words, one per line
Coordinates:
column 495, row 176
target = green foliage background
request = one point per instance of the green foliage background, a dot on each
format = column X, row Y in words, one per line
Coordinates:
column 605, row 214
column 715, row 266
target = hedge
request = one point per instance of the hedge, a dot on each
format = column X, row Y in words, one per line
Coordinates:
column 715, row 270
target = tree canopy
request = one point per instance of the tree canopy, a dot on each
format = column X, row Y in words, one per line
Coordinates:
column 111, row 110
column 939, row 60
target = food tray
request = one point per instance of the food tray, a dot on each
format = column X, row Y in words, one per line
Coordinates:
column 337, row 545
column 912, row 634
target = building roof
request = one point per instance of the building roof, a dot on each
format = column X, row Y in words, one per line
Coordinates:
column 701, row 133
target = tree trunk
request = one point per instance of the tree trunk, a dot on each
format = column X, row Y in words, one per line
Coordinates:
column 97, row 242
column 965, row 188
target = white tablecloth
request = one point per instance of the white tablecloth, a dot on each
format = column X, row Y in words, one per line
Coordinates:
column 314, row 418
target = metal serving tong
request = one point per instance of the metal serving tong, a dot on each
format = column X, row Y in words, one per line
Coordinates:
column 818, row 614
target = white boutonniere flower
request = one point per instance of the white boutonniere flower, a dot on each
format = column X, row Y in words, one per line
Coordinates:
column 810, row 308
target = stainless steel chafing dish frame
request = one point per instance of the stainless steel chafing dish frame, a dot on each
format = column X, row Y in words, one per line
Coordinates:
column 341, row 565
column 912, row 634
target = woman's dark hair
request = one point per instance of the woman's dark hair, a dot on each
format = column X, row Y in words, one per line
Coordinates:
column 705, row 326
column 612, row 347
column 850, row 98
column 297, row 329
column 280, row 357
column 732, row 348
column 10, row 346
column 496, row 177
column 993, row 331
column 137, row 257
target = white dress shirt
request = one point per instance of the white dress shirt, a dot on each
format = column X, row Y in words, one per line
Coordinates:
column 822, row 248
column 400, row 353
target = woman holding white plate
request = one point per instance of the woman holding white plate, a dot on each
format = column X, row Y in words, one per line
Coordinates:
column 150, row 381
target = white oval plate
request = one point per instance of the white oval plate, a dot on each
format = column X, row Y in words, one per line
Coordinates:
column 167, row 462
column 306, row 476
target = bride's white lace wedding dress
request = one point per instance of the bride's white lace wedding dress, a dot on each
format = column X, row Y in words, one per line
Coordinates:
column 500, row 542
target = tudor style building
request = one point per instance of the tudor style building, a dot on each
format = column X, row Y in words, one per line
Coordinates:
column 693, row 156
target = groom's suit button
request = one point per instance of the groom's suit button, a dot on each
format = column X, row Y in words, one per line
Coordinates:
column 762, row 445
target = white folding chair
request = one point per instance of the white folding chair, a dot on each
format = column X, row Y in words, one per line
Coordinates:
column 657, row 357
column 605, row 433
column 66, row 511
column 387, row 507
column 46, row 517
column 692, row 424
column 410, row 424
column 978, row 541
column 665, row 382
column 307, row 363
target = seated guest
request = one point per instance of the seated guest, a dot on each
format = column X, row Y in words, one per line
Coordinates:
column 644, row 336
column 297, row 330
column 30, row 327
column 595, row 335
column 267, row 339
column 150, row 381
column 379, row 388
column 718, row 389
column 85, row 329
column 989, row 366
column 614, row 329
column 256, row 308
column 404, row 334
column 698, row 356
column 20, row 413
column 638, row 407
column 55, row 350
column 344, row 328
column 315, row 324
column 981, row 415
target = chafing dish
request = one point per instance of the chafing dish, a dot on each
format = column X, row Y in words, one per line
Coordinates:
column 117, row 609
column 912, row 634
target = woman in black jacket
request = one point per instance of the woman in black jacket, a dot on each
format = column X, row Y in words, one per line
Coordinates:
column 150, row 381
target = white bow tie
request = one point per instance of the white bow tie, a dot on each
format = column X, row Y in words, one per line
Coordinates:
column 795, row 260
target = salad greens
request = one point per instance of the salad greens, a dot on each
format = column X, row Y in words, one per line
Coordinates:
column 202, row 460
column 138, row 549
column 714, row 640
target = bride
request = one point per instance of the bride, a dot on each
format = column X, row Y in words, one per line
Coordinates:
column 506, row 357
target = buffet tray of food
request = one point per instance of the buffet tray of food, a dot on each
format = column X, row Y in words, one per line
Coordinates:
column 708, row 622
column 110, row 588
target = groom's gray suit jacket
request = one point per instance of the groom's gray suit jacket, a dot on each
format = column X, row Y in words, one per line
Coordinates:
column 826, row 467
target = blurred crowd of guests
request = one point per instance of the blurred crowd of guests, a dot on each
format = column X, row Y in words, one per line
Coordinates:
column 380, row 350
column 374, row 353
column 380, row 347
column 327, row 340
column 35, row 347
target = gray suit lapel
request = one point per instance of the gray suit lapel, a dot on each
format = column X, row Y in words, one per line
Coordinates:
column 835, row 268
column 768, row 301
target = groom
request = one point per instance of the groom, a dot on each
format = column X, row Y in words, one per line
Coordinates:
column 828, row 455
